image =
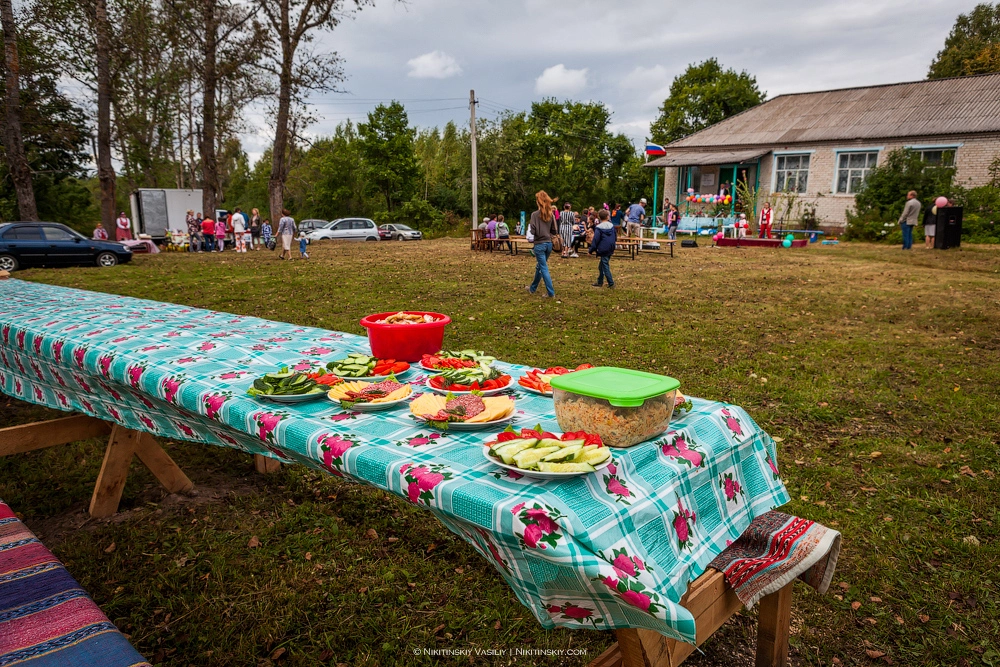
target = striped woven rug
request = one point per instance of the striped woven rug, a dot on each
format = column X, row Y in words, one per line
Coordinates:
column 46, row 619
column 776, row 549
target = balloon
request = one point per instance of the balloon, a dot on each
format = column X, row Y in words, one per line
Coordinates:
column 786, row 243
column 941, row 202
column 690, row 191
column 790, row 238
column 718, row 236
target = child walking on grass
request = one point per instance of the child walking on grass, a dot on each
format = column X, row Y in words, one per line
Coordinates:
column 303, row 242
column 603, row 246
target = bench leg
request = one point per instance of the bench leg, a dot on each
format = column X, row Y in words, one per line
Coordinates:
column 265, row 464
column 774, row 620
column 123, row 444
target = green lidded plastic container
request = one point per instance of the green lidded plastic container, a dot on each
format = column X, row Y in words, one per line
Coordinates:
column 623, row 406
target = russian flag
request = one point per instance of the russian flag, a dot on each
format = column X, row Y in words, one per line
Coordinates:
column 655, row 150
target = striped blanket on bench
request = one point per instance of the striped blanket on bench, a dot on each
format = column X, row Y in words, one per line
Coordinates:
column 46, row 619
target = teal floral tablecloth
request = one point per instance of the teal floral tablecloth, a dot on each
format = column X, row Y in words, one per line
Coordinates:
column 615, row 549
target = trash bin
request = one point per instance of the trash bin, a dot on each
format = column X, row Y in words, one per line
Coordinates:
column 949, row 228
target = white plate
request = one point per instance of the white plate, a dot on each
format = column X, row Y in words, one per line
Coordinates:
column 376, row 407
column 484, row 392
column 371, row 378
column 537, row 474
column 474, row 426
column 293, row 398
column 534, row 391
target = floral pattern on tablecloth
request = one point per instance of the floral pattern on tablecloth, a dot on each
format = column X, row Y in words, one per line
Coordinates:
column 615, row 549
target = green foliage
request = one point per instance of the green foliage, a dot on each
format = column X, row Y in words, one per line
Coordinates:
column 417, row 213
column 981, row 215
column 883, row 193
column 972, row 47
column 704, row 94
column 387, row 150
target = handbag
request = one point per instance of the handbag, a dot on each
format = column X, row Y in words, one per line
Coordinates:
column 557, row 244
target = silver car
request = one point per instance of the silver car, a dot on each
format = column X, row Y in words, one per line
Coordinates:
column 398, row 232
column 346, row 229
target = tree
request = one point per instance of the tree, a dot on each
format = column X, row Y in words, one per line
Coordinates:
column 703, row 95
column 105, row 170
column 387, row 151
column 55, row 133
column 299, row 71
column 972, row 45
column 17, row 160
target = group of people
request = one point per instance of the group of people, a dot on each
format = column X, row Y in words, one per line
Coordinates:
column 247, row 232
column 570, row 231
column 909, row 219
column 123, row 229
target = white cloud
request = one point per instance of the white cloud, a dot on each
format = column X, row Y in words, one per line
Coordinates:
column 433, row 65
column 560, row 81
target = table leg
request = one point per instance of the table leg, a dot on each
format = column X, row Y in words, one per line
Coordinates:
column 123, row 444
column 161, row 465
column 114, row 472
column 265, row 464
column 773, row 622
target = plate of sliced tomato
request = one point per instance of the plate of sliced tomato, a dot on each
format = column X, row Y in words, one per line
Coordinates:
column 442, row 385
column 536, row 381
column 448, row 361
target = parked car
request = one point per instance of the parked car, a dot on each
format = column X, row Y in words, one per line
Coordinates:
column 24, row 244
column 399, row 233
column 346, row 229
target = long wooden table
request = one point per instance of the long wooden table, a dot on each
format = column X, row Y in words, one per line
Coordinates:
column 710, row 600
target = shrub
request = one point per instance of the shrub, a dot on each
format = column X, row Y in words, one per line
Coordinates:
column 871, row 226
column 883, row 193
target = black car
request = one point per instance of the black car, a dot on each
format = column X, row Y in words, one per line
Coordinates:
column 24, row 244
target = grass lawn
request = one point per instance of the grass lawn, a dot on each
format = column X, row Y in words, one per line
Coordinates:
column 878, row 369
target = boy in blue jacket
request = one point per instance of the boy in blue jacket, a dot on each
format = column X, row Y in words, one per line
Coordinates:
column 603, row 246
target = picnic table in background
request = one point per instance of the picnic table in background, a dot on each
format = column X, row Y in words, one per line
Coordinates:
column 615, row 549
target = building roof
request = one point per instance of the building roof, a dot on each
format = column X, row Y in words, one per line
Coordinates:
column 683, row 158
column 960, row 105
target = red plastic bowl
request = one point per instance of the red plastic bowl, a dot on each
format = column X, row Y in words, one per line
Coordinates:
column 405, row 342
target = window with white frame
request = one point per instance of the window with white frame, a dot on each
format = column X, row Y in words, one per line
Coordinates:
column 791, row 173
column 938, row 157
column 852, row 170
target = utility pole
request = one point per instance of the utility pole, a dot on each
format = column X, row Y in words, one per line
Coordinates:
column 475, row 169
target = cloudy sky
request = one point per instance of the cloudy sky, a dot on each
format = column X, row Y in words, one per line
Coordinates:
column 430, row 53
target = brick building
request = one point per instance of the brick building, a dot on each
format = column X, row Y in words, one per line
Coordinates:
column 820, row 146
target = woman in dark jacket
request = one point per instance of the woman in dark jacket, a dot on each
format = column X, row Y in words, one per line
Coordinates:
column 542, row 228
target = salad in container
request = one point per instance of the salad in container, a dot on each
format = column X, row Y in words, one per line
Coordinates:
column 624, row 407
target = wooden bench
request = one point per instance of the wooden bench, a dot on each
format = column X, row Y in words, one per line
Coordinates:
column 712, row 602
column 628, row 244
column 49, row 618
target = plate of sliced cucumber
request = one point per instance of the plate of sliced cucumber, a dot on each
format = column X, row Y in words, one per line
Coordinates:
column 548, row 458
column 286, row 387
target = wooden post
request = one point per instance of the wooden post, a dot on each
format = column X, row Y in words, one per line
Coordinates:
column 114, row 472
column 265, row 464
column 774, row 621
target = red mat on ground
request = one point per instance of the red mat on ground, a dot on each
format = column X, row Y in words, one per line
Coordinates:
column 759, row 243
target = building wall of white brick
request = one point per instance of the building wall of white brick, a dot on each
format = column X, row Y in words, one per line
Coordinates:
column 973, row 157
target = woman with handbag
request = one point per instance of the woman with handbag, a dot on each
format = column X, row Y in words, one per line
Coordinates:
column 542, row 231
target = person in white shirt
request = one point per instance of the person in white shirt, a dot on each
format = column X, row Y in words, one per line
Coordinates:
column 123, row 228
column 239, row 231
